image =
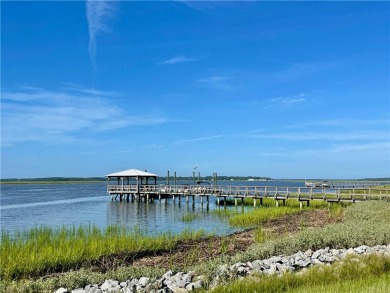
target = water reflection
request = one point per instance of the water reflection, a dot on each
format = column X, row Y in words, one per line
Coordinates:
column 163, row 216
column 24, row 206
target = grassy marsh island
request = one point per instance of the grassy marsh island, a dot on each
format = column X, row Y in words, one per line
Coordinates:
column 43, row 260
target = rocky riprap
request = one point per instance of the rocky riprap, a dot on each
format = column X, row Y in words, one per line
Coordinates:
column 187, row 282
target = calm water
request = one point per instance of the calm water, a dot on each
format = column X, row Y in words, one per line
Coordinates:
column 24, row 206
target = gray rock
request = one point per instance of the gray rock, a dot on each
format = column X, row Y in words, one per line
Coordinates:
column 158, row 284
column 275, row 259
column 168, row 274
column 242, row 271
column 109, row 284
column 256, row 265
column 360, row 249
column 180, row 290
column 317, row 262
column 316, row 254
column 223, row 270
column 180, row 283
column 266, row 264
column 335, row 252
column 61, row 290
column 236, row 266
column 297, row 258
column 198, row 284
column 132, row 285
column 144, row 281
column 115, row 289
column 164, row 290
column 303, row 263
column 78, row 290
column 188, row 277
column 350, row 251
column 168, row 282
column 190, row 287
column 123, row 284
column 273, row 269
column 92, row 289
column 281, row 268
column 328, row 258
column 309, row 253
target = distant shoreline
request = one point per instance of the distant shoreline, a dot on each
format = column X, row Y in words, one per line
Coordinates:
column 77, row 180
column 51, row 182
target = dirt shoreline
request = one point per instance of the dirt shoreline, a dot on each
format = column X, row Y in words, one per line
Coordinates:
column 187, row 253
column 193, row 252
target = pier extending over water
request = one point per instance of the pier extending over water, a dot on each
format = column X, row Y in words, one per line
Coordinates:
column 239, row 193
column 134, row 184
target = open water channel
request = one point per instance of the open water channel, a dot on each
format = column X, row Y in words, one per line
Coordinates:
column 25, row 206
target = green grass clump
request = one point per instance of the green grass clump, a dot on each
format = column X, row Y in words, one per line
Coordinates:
column 370, row 273
column 269, row 202
column 268, row 211
column 189, row 217
column 262, row 235
column 261, row 215
column 45, row 250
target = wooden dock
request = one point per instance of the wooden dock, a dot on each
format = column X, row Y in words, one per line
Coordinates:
column 257, row 193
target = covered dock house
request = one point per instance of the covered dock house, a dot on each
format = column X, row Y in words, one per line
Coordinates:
column 130, row 182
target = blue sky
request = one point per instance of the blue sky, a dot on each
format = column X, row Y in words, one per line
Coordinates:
column 277, row 89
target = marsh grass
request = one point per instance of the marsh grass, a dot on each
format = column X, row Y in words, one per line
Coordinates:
column 337, row 210
column 268, row 211
column 190, row 217
column 260, row 215
column 269, row 202
column 45, row 250
column 363, row 223
column 261, row 235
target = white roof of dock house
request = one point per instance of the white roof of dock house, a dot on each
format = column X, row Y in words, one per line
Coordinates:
column 133, row 173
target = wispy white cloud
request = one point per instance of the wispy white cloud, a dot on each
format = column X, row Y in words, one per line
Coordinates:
column 212, row 5
column 216, row 82
column 287, row 100
column 198, row 139
column 179, row 59
column 85, row 90
column 344, row 122
column 59, row 116
column 328, row 150
column 322, row 136
column 301, row 71
column 374, row 146
column 97, row 13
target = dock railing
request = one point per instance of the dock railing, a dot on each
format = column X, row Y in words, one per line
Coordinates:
column 276, row 192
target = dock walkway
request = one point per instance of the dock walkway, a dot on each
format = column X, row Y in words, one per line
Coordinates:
column 257, row 193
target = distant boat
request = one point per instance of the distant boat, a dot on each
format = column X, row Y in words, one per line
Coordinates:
column 318, row 184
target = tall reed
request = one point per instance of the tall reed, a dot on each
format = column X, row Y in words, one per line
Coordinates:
column 269, row 211
column 45, row 250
